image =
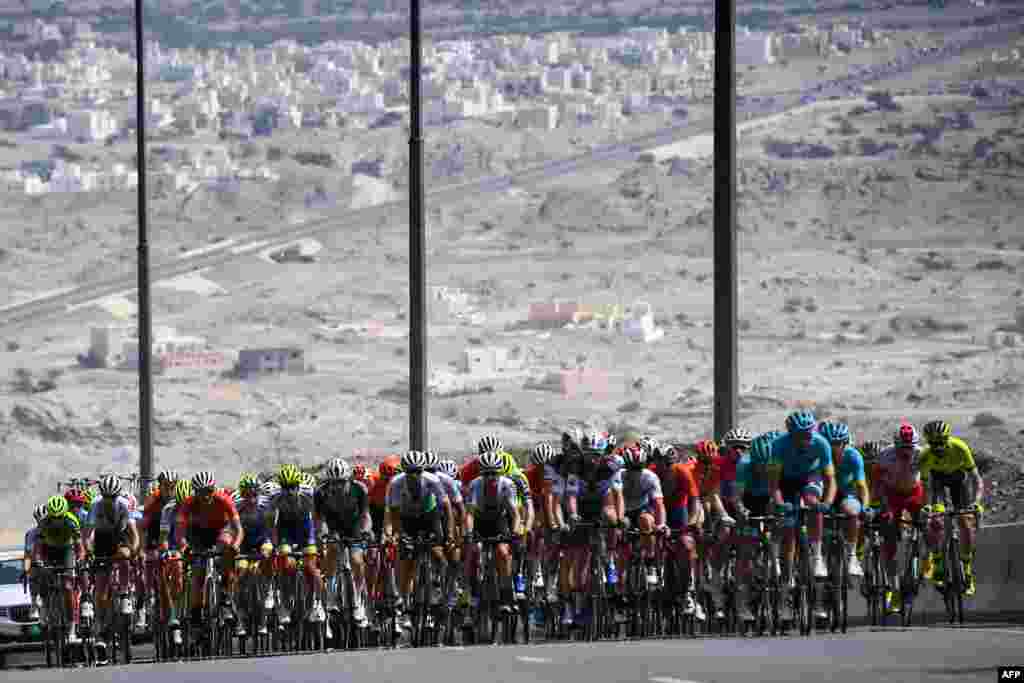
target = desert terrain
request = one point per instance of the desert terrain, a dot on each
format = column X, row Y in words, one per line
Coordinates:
column 881, row 278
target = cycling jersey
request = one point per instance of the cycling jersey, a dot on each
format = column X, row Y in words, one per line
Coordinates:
column 849, row 472
column 342, row 506
column 378, row 492
column 252, row 513
column 594, row 483
column 707, row 476
column 467, row 473
column 522, row 485
column 106, row 515
column 31, row 537
column 678, row 486
column 151, row 513
column 60, row 531
column 290, row 513
column 898, row 473
column 955, row 457
column 168, row 524
column 640, row 490
column 451, row 488
column 490, row 497
column 415, row 498
column 212, row 515
column 755, row 478
column 816, row 458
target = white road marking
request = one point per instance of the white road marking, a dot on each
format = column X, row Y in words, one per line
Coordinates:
column 667, row 679
column 534, row 660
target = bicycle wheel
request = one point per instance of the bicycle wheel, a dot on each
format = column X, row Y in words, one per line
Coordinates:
column 805, row 588
column 956, row 583
column 844, row 589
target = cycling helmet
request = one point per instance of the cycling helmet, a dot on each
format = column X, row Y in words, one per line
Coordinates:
column 359, row 472
column 542, row 454
column 389, row 466
column 248, row 484
column 773, row 434
column 182, row 491
column 510, row 465
column 203, row 482
column 491, row 462
column 56, row 506
column 488, row 443
column 414, row 461
column 110, row 486
column 835, row 432
column 90, row 496
column 800, row 421
column 872, row 449
column 738, row 437
column 648, row 444
column 571, row 438
column 39, row 513
column 706, row 449
column 337, row 470
column 906, row 436
column 289, row 476
column 635, row 457
column 937, row 432
column 450, row 468
column 308, row 480
column 269, row 488
column 761, row 450
column 667, row 453
column 75, row 497
column 431, row 461
column 167, row 477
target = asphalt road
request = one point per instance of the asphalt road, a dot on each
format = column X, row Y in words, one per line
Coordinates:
column 966, row 655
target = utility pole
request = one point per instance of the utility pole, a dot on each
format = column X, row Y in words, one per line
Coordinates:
column 726, row 371
column 417, row 248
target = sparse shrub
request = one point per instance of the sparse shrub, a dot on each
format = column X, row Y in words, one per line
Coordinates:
column 986, row 419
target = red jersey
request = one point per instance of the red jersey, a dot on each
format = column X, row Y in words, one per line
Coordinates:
column 469, row 472
column 379, row 492
column 213, row 515
column 535, row 475
column 151, row 511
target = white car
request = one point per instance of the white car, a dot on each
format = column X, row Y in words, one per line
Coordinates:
column 14, row 602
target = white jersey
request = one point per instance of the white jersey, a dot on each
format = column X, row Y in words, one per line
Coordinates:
column 451, row 487
column 414, row 500
column 898, row 473
column 491, row 497
column 640, row 489
column 105, row 516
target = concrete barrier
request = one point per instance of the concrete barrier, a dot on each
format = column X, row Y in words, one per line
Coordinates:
column 999, row 571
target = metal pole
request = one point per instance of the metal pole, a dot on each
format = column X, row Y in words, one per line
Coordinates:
column 417, row 252
column 726, row 372
column 145, row 322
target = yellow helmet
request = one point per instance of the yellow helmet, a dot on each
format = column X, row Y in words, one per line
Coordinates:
column 289, row 476
column 510, row 464
column 182, row 491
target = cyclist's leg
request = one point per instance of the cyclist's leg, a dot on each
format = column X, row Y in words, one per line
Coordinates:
column 811, row 494
column 790, row 494
column 851, row 507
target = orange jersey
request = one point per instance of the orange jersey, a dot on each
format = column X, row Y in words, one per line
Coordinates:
column 707, row 478
column 678, row 486
column 216, row 514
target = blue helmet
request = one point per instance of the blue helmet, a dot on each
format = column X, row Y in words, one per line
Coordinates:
column 761, row 450
column 800, row 421
column 835, row 432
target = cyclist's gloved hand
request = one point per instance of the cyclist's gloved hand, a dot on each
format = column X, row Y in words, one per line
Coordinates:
column 822, row 507
column 663, row 529
column 728, row 521
column 367, row 536
column 574, row 520
column 624, row 523
column 869, row 514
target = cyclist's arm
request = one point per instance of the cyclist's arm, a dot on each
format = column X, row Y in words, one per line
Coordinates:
column 862, row 492
column 659, row 511
column 696, row 511
column 390, row 517
column 134, row 539
column 237, row 532
column 446, row 503
column 830, row 485
column 365, row 520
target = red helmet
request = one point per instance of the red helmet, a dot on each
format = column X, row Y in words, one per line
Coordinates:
column 75, row 497
column 389, row 466
column 906, row 436
column 359, row 472
column 706, row 449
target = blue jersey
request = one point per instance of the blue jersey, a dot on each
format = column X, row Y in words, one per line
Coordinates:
column 799, row 464
column 849, row 472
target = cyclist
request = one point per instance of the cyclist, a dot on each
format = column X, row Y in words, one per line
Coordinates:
column 757, row 487
column 252, row 508
column 78, row 504
column 209, row 520
column 707, row 473
column 492, row 510
column 172, row 575
column 644, row 505
column 31, row 538
column 524, row 502
column 948, row 464
column 900, row 490
column 735, row 445
column 290, row 519
column 364, row 475
column 415, row 501
column 547, row 487
column 454, row 491
column 853, row 497
column 593, row 493
column 386, row 471
column 342, row 504
column 59, row 545
column 111, row 533
column 685, row 514
column 470, row 469
column 808, row 478
column 871, row 450
column 149, row 526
